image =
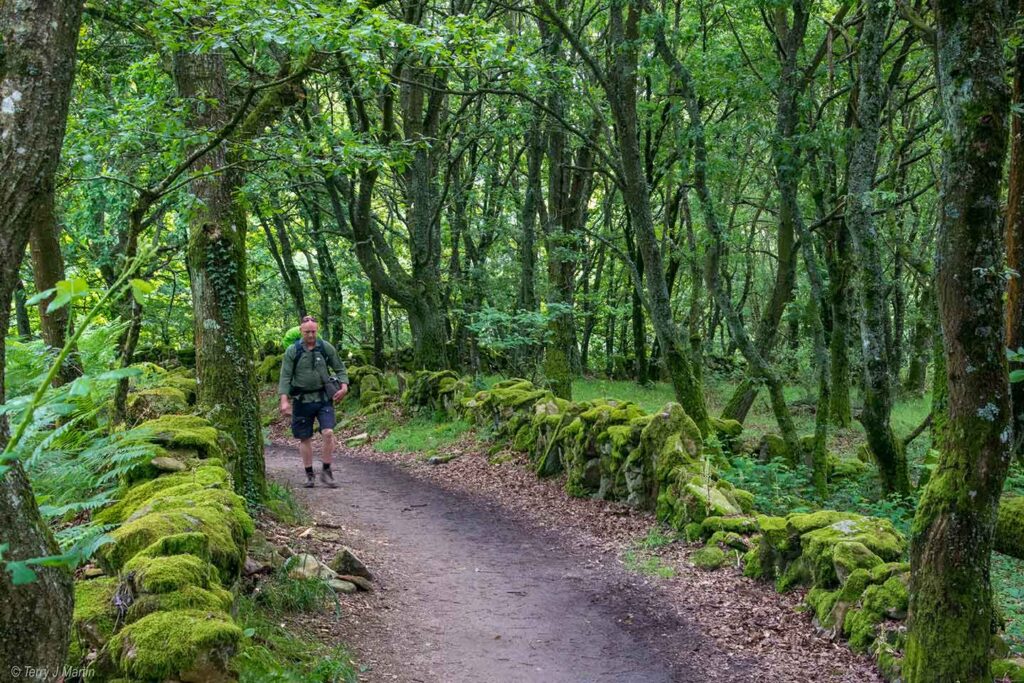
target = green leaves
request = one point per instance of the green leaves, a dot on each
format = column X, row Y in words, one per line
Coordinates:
column 141, row 289
column 64, row 293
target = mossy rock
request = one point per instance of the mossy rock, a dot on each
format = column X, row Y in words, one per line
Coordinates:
column 840, row 468
column 226, row 530
column 739, row 525
column 693, row 532
column 729, row 539
column 147, row 404
column 708, row 557
column 95, row 614
column 727, row 430
column 179, row 644
column 773, row 446
column 879, row 602
column 133, row 498
column 269, row 369
column 188, row 432
column 169, row 573
column 189, row 543
column 211, row 599
column 752, row 567
column 818, row 544
column 1009, row 538
column 850, row 555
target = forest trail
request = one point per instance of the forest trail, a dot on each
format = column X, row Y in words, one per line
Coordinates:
column 473, row 594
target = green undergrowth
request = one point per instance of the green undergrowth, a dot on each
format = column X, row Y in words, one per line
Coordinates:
column 282, row 506
column 642, row 555
column 270, row 653
column 1008, row 583
column 280, row 594
column 422, row 435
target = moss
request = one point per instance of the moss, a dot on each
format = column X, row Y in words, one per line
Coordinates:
column 882, row 572
column 818, row 545
column 165, row 645
column 729, row 539
column 226, row 536
column 146, row 404
column 739, row 525
column 212, row 599
column 186, row 385
column 702, row 500
column 269, row 368
column 525, row 438
column 95, row 614
column 878, row 602
column 850, row 555
column 774, row 446
column 708, row 557
column 189, row 543
column 726, row 429
column 821, row 601
column 1009, row 538
column 752, row 564
column 187, row 431
column 166, row 574
column 745, row 499
column 135, row 497
column 693, row 532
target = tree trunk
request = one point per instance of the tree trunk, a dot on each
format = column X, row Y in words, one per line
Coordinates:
column 951, row 615
column 284, row 256
column 878, row 380
column 622, row 98
column 1015, row 245
column 921, row 342
column 21, row 312
column 333, row 322
column 528, row 239
column 217, row 268
column 378, row 328
column 37, row 67
column 48, row 270
column 840, row 263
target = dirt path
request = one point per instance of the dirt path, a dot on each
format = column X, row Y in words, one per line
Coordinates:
column 470, row 593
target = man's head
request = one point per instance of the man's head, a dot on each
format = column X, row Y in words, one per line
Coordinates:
column 308, row 329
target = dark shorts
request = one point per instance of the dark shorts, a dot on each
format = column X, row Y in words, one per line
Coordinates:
column 303, row 414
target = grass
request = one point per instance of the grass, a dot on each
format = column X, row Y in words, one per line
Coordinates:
column 272, row 654
column 282, row 506
column 1008, row 584
column 421, row 435
column 642, row 557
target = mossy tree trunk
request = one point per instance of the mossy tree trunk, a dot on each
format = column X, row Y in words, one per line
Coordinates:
column 951, row 615
column 1015, row 245
column 37, row 67
column 921, row 342
column 217, row 269
column 621, row 83
column 840, row 294
column 878, row 379
column 280, row 245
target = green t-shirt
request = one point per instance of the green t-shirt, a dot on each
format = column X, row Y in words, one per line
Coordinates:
column 307, row 378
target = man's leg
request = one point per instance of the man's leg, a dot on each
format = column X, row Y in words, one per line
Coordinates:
column 306, row 451
column 326, row 420
column 327, row 456
column 302, row 429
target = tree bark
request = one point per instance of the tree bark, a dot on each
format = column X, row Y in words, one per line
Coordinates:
column 21, row 312
column 48, row 270
column 217, row 269
column 951, row 615
column 878, row 379
column 37, row 67
column 1015, row 245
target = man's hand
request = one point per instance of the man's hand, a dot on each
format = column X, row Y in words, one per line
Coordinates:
column 340, row 393
column 286, row 406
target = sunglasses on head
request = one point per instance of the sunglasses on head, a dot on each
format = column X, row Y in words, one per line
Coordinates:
column 308, row 319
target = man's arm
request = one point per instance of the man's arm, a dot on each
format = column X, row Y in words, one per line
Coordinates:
column 284, row 383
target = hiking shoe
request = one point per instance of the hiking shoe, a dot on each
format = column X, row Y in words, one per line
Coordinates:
column 328, row 479
column 310, row 481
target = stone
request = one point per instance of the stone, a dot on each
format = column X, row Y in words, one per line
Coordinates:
column 360, row 581
column 850, row 555
column 306, row 567
column 253, row 567
column 340, row 586
column 357, row 440
column 708, row 557
column 92, row 572
column 346, row 562
column 166, row 464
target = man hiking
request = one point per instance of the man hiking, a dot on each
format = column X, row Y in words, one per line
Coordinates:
column 312, row 378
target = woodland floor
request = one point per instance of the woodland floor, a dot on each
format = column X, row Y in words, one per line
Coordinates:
column 485, row 573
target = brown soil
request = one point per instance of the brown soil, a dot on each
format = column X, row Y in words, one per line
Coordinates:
column 485, row 573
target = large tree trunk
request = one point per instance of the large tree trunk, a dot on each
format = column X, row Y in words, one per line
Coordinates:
column 878, row 379
column 1015, row 245
column 37, row 66
column 21, row 312
column 217, row 268
column 951, row 609
column 840, row 267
